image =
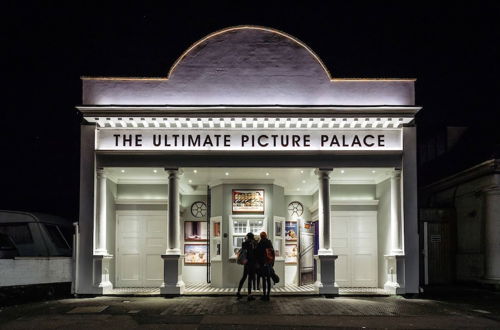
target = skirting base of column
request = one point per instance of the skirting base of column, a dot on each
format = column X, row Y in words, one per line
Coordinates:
column 101, row 273
column 395, row 274
column 393, row 288
column 173, row 285
column 172, row 290
column 325, row 284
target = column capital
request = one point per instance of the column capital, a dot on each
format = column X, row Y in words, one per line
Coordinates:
column 174, row 171
column 396, row 173
column 323, row 171
column 100, row 172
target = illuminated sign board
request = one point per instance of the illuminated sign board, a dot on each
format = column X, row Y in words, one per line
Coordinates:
column 248, row 140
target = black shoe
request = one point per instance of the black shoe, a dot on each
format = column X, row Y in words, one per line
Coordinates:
column 238, row 296
column 250, row 298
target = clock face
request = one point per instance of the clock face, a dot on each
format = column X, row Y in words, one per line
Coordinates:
column 199, row 209
column 295, row 209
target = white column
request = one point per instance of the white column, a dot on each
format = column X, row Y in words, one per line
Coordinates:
column 173, row 219
column 100, row 246
column 324, row 211
column 325, row 283
column 396, row 215
column 492, row 234
column 173, row 284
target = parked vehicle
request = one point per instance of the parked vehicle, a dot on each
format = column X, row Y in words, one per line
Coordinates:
column 7, row 248
column 37, row 234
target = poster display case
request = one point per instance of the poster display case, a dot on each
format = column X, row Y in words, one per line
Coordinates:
column 291, row 253
column 240, row 226
column 195, row 254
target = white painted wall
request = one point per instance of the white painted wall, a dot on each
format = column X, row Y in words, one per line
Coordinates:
column 35, row 270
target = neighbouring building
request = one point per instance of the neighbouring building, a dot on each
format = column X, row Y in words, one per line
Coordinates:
column 460, row 207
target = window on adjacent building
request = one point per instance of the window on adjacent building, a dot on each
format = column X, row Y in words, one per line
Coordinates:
column 18, row 232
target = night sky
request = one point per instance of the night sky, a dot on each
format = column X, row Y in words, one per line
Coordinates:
column 451, row 49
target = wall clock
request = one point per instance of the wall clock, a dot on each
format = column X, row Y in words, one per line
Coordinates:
column 199, row 209
column 295, row 209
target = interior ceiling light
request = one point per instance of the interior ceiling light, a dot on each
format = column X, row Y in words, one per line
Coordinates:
column 303, row 181
column 227, row 173
column 342, row 171
column 156, row 171
column 373, row 171
column 190, row 180
column 301, row 171
column 267, row 173
column 123, row 171
column 195, row 171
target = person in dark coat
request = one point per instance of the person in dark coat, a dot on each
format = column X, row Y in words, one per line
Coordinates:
column 265, row 260
column 249, row 268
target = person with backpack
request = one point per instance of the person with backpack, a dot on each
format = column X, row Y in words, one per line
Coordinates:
column 246, row 257
column 265, row 260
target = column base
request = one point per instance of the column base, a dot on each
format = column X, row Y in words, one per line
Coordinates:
column 325, row 283
column 101, row 278
column 172, row 275
column 395, row 274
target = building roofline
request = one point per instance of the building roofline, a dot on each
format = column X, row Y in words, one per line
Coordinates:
column 490, row 166
column 225, row 110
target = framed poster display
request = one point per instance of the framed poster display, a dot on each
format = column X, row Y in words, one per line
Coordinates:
column 291, row 230
column 248, row 201
column 216, row 229
column 195, row 254
column 291, row 253
column 278, row 229
column 195, row 231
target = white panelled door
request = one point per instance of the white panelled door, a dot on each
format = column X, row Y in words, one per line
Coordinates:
column 140, row 242
column 354, row 240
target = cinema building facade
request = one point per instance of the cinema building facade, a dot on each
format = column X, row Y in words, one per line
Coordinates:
column 247, row 133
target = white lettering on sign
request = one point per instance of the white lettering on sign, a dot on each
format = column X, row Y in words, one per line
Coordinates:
column 242, row 140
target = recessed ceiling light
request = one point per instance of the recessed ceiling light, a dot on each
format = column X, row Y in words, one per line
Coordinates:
column 303, row 181
column 195, row 171
column 156, row 171
column 298, row 189
column 190, row 181
column 227, row 173
column 301, row 171
column 123, row 171
column 342, row 171
column 373, row 171
column 267, row 173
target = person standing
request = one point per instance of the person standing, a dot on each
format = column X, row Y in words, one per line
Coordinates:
column 247, row 258
column 265, row 259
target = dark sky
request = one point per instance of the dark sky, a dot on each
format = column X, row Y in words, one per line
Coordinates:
column 451, row 48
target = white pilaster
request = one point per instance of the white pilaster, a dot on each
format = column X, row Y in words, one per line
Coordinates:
column 396, row 215
column 100, row 246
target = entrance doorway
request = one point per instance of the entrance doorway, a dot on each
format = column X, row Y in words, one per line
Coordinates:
column 355, row 243
column 307, row 250
column 141, row 240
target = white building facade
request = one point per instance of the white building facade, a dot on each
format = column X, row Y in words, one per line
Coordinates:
column 247, row 133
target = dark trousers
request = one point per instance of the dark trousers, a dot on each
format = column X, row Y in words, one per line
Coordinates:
column 266, row 279
column 248, row 272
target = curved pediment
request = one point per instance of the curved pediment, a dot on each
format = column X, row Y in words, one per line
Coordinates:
column 247, row 65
